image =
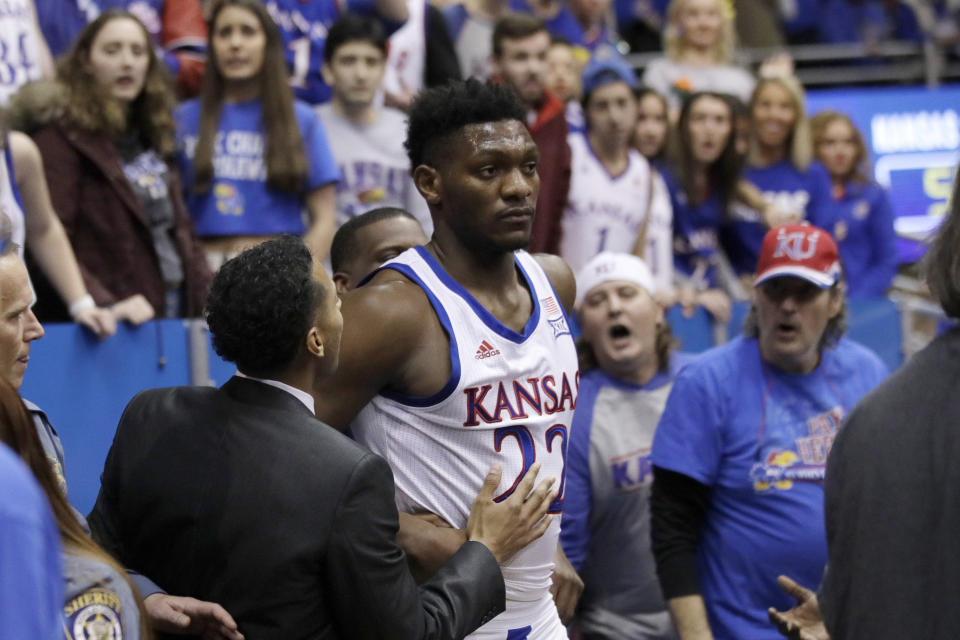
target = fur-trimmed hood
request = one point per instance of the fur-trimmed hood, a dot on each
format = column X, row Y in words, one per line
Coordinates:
column 35, row 105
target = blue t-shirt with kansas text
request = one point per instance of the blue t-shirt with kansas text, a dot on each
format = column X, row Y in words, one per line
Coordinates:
column 794, row 191
column 239, row 202
column 759, row 438
column 696, row 229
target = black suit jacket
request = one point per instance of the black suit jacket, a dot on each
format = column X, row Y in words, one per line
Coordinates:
column 239, row 495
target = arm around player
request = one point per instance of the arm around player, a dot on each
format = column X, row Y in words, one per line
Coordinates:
column 366, row 565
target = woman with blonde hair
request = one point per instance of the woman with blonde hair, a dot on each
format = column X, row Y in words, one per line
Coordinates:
column 863, row 218
column 781, row 184
column 99, row 599
column 699, row 42
column 105, row 131
column 255, row 162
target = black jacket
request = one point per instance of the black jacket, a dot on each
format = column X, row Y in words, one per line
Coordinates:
column 240, row 496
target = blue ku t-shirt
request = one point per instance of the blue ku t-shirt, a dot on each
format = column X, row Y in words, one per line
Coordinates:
column 239, row 201
column 804, row 193
column 759, row 438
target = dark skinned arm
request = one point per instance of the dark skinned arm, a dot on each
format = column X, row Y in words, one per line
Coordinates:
column 383, row 327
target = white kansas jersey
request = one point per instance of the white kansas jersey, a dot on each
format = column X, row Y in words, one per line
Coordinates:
column 20, row 59
column 510, row 399
column 607, row 213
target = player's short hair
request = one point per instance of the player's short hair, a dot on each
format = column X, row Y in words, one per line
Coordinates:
column 345, row 239
column 442, row 111
column 515, row 26
column 941, row 265
column 352, row 27
column 261, row 305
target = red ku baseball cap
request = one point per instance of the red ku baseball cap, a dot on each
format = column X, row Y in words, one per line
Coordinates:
column 802, row 251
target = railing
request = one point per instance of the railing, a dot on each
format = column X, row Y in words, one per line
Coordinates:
column 822, row 65
column 83, row 384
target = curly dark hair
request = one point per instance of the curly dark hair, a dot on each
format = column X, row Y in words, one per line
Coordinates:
column 261, row 305
column 441, row 111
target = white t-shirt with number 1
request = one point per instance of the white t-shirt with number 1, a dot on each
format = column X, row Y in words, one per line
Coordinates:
column 20, row 47
column 606, row 213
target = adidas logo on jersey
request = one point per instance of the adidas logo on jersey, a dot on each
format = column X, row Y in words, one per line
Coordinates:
column 486, row 350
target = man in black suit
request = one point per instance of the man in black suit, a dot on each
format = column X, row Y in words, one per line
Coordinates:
column 241, row 496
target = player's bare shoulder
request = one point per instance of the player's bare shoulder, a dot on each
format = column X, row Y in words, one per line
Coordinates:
column 392, row 336
column 561, row 277
column 389, row 308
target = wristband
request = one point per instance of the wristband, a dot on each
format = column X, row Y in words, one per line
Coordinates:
column 84, row 303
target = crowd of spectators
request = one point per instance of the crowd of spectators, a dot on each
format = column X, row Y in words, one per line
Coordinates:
column 171, row 135
column 285, row 118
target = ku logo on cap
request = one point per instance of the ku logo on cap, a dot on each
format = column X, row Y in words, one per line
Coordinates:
column 792, row 245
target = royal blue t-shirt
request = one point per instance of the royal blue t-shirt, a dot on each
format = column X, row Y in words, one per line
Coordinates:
column 239, row 201
column 863, row 229
column 696, row 228
column 759, row 438
column 806, row 193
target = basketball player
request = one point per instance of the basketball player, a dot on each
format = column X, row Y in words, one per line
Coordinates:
column 457, row 354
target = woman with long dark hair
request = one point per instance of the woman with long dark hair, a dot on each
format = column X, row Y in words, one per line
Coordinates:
column 105, row 131
column 254, row 160
column 702, row 179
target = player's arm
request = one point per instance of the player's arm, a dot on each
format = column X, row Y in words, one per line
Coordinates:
column 382, row 327
column 561, row 277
